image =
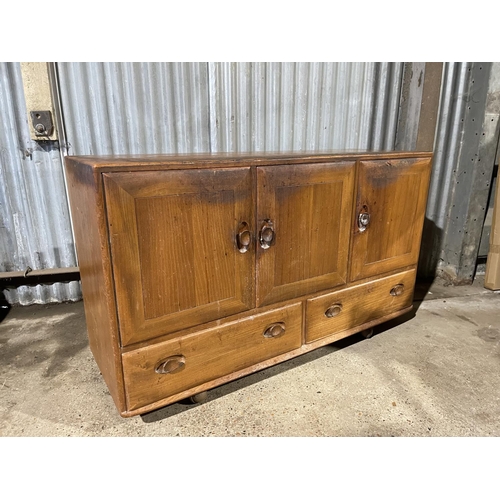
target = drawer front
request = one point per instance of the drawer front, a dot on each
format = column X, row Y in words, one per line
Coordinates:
column 203, row 356
column 340, row 311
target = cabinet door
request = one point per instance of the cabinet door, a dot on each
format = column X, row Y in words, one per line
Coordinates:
column 174, row 246
column 390, row 211
column 303, row 223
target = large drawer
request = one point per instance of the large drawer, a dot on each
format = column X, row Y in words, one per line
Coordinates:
column 351, row 307
column 194, row 359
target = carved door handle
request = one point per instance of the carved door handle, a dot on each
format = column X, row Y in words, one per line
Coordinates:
column 243, row 237
column 267, row 235
column 275, row 330
column 398, row 290
column 173, row 364
column 333, row 310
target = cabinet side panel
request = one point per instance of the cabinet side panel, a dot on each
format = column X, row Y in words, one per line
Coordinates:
column 87, row 209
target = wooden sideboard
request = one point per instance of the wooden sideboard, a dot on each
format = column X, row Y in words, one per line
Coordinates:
column 199, row 269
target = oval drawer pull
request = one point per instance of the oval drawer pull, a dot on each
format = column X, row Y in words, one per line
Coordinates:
column 333, row 311
column 275, row 330
column 174, row 364
column 397, row 290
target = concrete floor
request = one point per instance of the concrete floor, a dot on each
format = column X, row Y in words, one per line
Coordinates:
column 435, row 374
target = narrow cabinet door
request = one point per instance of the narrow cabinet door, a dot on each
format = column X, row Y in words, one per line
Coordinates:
column 390, row 211
column 182, row 247
column 303, row 223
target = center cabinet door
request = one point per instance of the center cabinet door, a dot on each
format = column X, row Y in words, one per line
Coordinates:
column 176, row 257
column 303, row 223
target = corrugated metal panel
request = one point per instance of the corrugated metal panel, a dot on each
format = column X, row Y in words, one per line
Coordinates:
column 303, row 106
column 132, row 108
column 449, row 136
column 460, row 180
column 35, row 229
column 198, row 107
column 448, row 141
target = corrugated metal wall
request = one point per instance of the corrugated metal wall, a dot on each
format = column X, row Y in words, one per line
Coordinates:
column 130, row 108
column 175, row 108
column 35, row 229
column 213, row 107
column 303, row 106
column 448, row 140
column 465, row 146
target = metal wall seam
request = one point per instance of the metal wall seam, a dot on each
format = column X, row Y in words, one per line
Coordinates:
column 35, row 229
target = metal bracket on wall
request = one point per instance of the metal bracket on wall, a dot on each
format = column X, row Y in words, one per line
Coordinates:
column 42, row 123
column 39, row 101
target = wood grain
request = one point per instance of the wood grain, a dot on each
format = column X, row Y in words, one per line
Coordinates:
column 117, row 163
column 310, row 206
column 91, row 238
column 359, row 304
column 173, row 242
column 208, row 355
column 394, row 193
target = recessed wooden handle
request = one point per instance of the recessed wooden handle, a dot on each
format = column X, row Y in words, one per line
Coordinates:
column 397, row 290
column 173, row 364
column 333, row 310
column 274, row 330
column 243, row 237
column 267, row 235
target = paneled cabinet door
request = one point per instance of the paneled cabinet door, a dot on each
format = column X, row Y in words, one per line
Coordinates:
column 303, row 223
column 390, row 211
column 181, row 246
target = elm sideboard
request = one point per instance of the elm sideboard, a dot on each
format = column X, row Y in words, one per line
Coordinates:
column 199, row 269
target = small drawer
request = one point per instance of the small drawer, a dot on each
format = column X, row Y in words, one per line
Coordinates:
column 161, row 370
column 351, row 307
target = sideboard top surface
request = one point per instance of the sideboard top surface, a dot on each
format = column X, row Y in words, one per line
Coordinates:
column 108, row 163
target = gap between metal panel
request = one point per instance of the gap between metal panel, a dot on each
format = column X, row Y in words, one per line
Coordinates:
column 55, row 87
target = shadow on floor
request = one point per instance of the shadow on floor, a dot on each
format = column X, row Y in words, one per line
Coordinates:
column 422, row 287
column 4, row 306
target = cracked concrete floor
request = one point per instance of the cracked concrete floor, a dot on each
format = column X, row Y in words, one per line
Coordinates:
column 434, row 373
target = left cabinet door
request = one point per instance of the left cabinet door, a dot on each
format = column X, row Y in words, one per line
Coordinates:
column 176, row 255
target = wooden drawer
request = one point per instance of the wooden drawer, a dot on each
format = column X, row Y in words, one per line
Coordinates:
column 357, row 305
column 207, row 355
